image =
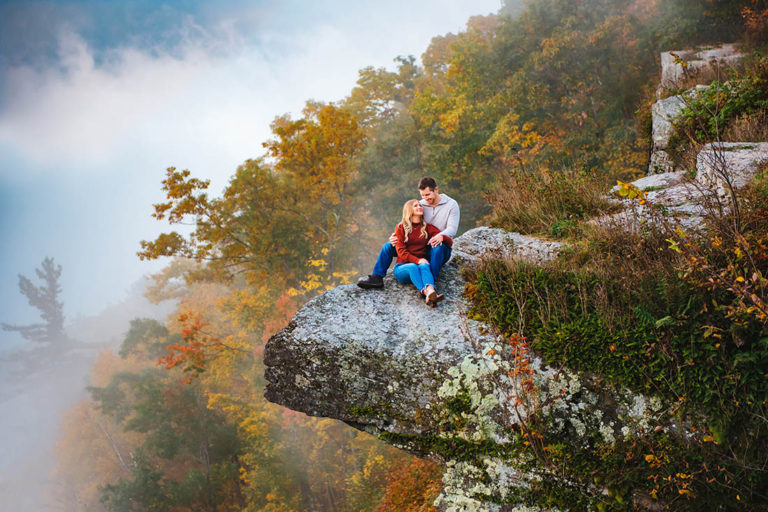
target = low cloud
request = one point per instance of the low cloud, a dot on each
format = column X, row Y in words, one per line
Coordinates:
column 82, row 115
column 210, row 98
column 85, row 137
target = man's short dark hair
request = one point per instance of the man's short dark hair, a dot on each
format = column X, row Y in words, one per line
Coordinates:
column 427, row 182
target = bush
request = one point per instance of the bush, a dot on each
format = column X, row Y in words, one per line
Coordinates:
column 547, row 202
column 679, row 316
column 734, row 107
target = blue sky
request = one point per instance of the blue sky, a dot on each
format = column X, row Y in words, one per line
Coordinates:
column 97, row 98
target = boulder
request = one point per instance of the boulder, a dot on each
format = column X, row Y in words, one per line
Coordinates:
column 675, row 68
column 719, row 164
column 376, row 358
column 669, row 195
column 656, row 181
column 664, row 113
column 660, row 162
column 437, row 383
column 673, row 73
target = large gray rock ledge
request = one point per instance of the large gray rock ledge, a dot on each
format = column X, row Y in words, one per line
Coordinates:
column 376, row 358
column 385, row 363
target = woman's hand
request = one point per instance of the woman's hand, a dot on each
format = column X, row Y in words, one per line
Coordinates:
column 436, row 240
column 423, row 261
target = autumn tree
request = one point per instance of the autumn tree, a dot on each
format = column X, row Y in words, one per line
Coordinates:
column 389, row 164
column 45, row 298
column 188, row 455
column 315, row 157
column 277, row 218
column 412, row 487
column 380, row 94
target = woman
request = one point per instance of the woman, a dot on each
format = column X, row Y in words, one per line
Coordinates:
column 412, row 265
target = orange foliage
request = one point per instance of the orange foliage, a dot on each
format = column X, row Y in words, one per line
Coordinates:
column 756, row 21
column 190, row 354
column 284, row 309
column 412, row 487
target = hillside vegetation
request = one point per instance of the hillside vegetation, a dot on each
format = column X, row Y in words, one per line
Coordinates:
column 526, row 120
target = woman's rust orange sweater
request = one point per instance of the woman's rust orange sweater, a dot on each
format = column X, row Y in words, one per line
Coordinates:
column 416, row 246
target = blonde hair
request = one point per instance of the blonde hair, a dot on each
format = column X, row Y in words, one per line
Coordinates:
column 407, row 213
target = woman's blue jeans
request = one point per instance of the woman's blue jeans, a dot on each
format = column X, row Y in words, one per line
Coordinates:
column 437, row 257
column 419, row 275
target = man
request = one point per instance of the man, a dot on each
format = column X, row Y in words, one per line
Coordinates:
column 439, row 210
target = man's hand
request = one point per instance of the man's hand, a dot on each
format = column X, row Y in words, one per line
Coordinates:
column 423, row 261
column 436, row 240
column 392, row 239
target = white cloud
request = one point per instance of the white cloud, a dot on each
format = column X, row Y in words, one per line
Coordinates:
column 83, row 144
column 211, row 100
column 83, row 115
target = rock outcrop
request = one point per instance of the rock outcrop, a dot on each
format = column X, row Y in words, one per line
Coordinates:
column 677, row 66
column 676, row 69
column 664, row 113
column 434, row 382
column 724, row 164
column 375, row 359
column 684, row 197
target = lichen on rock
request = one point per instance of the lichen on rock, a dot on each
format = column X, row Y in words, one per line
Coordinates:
column 350, row 352
column 435, row 382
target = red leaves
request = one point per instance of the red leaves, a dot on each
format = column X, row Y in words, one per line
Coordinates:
column 191, row 353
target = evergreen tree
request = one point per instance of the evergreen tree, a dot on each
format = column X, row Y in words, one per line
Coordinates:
column 45, row 299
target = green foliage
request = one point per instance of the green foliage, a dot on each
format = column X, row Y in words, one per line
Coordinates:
column 143, row 491
column 687, row 326
column 146, row 335
column 149, row 490
column 687, row 23
column 450, row 448
column 708, row 114
column 189, row 451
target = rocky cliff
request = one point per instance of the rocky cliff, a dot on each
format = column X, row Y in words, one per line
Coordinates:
column 376, row 359
column 444, row 386
column 433, row 381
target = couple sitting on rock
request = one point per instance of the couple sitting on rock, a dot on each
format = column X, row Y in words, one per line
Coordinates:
column 421, row 242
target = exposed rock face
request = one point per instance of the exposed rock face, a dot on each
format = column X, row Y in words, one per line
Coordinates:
column 685, row 200
column 376, row 358
column 371, row 358
column 656, row 181
column 664, row 113
column 660, row 162
column 673, row 73
column 667, row 110
column 383, row 362
column 486, row 242
column 737, row 162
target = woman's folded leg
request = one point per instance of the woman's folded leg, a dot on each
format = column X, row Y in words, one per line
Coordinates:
column 412, row 273
column 425, row 275
column 402, row 272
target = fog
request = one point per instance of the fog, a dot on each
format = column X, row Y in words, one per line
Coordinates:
column 96, row 100
column 39, row 382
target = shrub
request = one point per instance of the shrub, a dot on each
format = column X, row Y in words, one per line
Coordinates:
column 675, row 315
column 547, row 202
column 741, row 101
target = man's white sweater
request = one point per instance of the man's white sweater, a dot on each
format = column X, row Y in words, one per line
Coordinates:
column 444, row 215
